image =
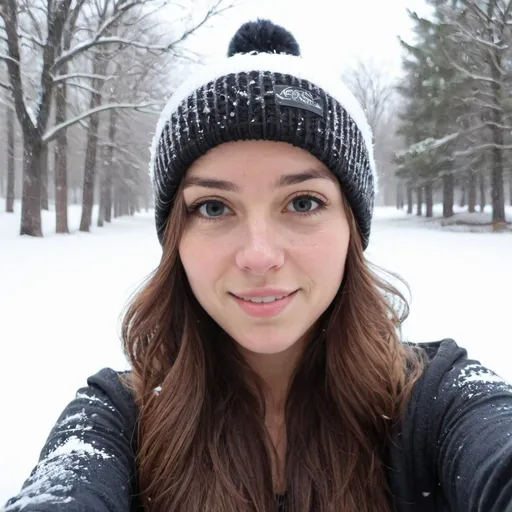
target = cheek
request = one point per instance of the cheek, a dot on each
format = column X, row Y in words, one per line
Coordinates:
column 201, row 257
column 323, row 255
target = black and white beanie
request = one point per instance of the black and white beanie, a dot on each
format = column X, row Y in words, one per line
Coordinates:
column 264, row 90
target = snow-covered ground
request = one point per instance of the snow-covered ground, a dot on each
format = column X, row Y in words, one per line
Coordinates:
column 61, row 298
column 460, row 221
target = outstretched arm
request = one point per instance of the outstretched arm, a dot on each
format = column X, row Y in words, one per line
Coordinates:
column 87, row 463
column 474, row 459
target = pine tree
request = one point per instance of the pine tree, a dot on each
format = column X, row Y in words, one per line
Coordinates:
column 456, row 88
column 428, row 118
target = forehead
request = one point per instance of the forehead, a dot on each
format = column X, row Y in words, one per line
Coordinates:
column 249, row 161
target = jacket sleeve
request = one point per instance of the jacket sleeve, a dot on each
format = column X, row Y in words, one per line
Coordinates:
column 472, row 431
column 87, row 463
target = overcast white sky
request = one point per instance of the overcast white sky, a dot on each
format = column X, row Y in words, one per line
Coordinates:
column 335, row 31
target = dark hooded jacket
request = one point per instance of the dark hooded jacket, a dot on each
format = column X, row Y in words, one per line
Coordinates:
column 451, row 452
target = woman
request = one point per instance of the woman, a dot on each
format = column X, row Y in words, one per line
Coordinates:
column 267, row 369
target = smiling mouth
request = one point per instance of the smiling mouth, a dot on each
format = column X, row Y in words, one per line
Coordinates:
column 265, row 306
column 263, row 300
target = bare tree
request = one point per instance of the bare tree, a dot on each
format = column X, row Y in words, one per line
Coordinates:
column 50, row 20
column 99, row 67
column 373, row 89
column 376, row 93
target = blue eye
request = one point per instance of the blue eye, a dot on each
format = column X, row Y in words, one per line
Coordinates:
column 212, row 208
column 304, row 204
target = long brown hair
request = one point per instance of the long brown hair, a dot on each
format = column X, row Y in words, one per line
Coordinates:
column 202, row 441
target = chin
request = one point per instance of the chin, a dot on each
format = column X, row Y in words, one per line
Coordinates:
column 266, row 349
column 266, row 343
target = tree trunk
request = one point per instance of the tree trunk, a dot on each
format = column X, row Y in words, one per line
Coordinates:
column 481, row 185
column 497, row 185
column 44, row 177
column 462, row 202
column 90, row 163
column 75, row 192
column 510, row 186
column 409, row 199
column 148, row 192
column 110, row 166
column 9, row 204
column 448, row 193
column 429, row 199
column 2, row 179
column 61, row 161
column 399, row 197
column 471, row 192
column 103, row 171
column 122, row 203
column 498, row 190
column 31, row 196
column 115, row 195
column 419, row 196
column 109, row 195
column 125, row 202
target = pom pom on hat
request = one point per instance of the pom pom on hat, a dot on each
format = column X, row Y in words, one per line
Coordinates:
column 263, row 36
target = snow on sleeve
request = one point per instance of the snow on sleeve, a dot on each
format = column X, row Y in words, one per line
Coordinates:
column 86, row 460
column 474, row 438
column 53, row 476
column 474, row 379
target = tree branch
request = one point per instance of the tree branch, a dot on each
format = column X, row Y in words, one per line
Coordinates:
column 51, row 134
column 481, row 104
column 98, row 40
column 7, row 87
column 430, row 144
column 211, row 12
column 478, row 11
column 84, row 87
column 25, row 35
column 8, row 58
column 91, row 76
column 468, row 73
column 478, row 149
column 30, row 11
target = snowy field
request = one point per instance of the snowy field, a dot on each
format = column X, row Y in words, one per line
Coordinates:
column 61, row 298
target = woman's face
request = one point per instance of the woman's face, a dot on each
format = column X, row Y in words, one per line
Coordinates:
column 265, row 244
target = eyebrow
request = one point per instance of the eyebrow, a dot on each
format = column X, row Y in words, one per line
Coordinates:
column 309, row 174
column 284, row 181
column 195, row 181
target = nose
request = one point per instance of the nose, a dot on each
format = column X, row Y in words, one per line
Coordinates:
column 260, row 251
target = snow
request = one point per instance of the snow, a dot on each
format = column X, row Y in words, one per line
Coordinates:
column 461, row 220
column 74, row 444
column 59, row 465
column 477, row 373
column 61, row 298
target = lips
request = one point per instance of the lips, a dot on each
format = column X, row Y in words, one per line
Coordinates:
column 264, row 303
column 267, row 299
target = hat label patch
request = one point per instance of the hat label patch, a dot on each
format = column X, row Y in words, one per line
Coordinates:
column 292, row 96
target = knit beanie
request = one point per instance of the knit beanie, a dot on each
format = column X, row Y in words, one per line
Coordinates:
column 264, row 90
